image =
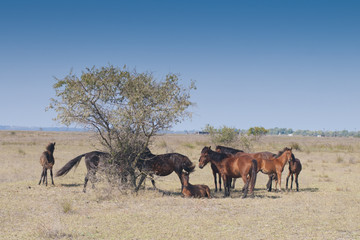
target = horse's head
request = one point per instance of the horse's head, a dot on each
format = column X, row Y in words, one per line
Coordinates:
column 218, row 149
column 204, row 158
column 185, row 178
column 50, row 147
column 292, row 157
column 288, row 153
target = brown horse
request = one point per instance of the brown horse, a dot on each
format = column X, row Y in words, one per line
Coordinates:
column 47, row 161
column 231, row 166
column 294, row 168
column 259, row 157
column 226, row 150
column 163, row 165
column 276, row 165
column 190, row 190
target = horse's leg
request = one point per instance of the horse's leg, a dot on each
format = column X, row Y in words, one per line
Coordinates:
column 226, row 190
column 243, row 189
column 51, row 174
column 42, row 175
column 152, row 180
column 292, row 179
column 233, row 183
column 143, row 176
column 287, row 180
column 296, row 181
column 46, row 175
column 269, row 183
column 179, row 175
column 214, row 173
column 220, row 182
column 246, row 186
column 279, row 180
column 85, row 181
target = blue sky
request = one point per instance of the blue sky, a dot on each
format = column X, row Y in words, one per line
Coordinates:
column 292, row 64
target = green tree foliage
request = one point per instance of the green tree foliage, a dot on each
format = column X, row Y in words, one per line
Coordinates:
column 257, row 132
column 125, row 108
column 222, row 136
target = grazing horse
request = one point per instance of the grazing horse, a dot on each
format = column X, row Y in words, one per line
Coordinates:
column 47, row 161
column 294, row 168
column 231, row 166
column 163, row 165
column 190, row 190
column 226, row 150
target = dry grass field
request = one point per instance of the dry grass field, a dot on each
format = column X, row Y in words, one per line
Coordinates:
column 326, row 207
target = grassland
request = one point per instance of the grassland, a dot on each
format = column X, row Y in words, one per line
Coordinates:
column 327, row 206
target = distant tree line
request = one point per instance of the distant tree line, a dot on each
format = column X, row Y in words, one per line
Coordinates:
column 323, row 133
column 226, row 133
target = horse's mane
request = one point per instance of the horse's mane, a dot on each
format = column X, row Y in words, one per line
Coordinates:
column 218, row 156
column 50, row 147
column 281, row 152
column 228, row 149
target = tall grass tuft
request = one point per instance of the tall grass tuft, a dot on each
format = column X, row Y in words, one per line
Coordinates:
column 67, row 206
column 295, row 146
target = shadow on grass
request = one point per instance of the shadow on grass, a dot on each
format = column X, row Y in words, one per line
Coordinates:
column 308, row 190
column 71, row 185
column 164, row 192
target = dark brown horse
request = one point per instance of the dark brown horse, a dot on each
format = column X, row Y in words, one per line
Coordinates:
column 47, row 161
column 226, row 150
column 163, row 165
column 231, row 166
column 190, row 190
column 294, row 168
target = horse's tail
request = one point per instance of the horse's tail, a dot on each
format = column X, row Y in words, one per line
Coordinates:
column 188, row 165
column 67, row 167
column 253, row 175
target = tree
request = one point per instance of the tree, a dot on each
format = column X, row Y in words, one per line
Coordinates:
column 125, row 108
column 222, row 136
column 257, row 132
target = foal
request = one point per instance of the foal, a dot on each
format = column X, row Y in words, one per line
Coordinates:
column 47, row 161
column 276, row 165
column 294, row 168
column 190, row 190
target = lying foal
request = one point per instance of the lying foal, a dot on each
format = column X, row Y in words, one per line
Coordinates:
column 190, row 190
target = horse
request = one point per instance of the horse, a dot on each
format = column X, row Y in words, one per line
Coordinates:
column 276, row 165
column 226, row 150
column 92, row 160
column 260, row 156
column 231, row 166
column 190, row 190
column 164, row 165
column 161, row 165
column 47, row 161
column 294, row 168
